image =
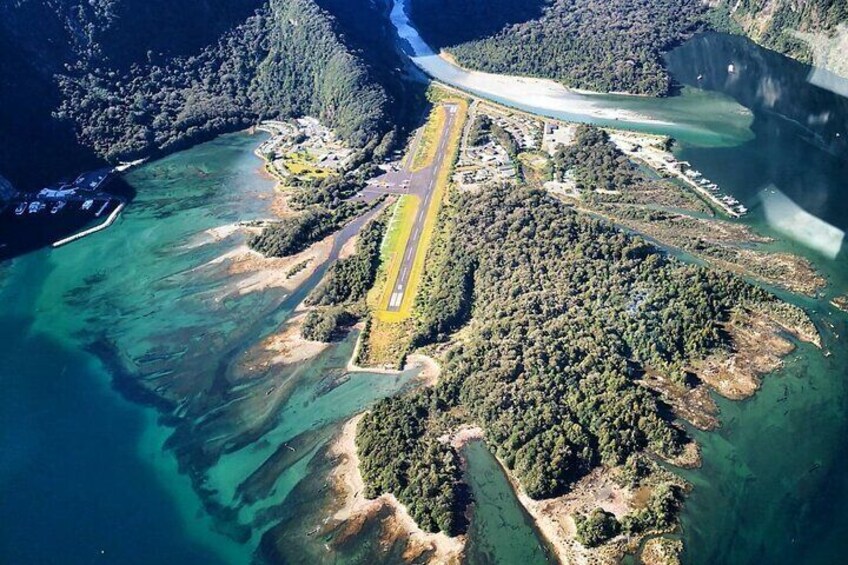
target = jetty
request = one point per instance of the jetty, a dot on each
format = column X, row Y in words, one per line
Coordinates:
column 644, row 148
column 108, row 222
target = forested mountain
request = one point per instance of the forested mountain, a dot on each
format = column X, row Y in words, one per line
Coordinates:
column 616, row 45
column 604, row 45
column 796, row 28
column 126, row 78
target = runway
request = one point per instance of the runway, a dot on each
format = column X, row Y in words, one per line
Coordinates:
column 419, row 183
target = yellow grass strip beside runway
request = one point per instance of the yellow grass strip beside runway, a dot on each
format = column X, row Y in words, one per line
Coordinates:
column 442, row 181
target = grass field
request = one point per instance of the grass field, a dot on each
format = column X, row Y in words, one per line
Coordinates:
column 390, row 333
column 394, row 253
column 536, row 164
column 302, row 165
column 401, row 221
column 425, row 152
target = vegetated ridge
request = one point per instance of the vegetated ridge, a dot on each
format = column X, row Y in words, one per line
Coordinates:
column 602, row 45
column 121, row 79
column 775, row 23
column 617, row 45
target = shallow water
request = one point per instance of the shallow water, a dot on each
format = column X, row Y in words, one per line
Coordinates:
column 772, row 488
column 84, row 471
column 697, row 116
column 501, row 530
column 142, row 306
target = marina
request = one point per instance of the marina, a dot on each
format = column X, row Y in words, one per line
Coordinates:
column 112, row 217
column 650, row 150
column 59, row 213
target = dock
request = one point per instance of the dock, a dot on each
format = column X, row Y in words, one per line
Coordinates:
column 641, row 147
column 108, row 222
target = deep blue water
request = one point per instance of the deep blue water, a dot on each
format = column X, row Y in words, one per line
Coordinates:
column 73, row 487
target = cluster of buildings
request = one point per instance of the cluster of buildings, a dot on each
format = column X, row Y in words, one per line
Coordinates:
column 485, row 163
column 526, row 131
column 302, row 148
column 85, row 191
column 490, row 162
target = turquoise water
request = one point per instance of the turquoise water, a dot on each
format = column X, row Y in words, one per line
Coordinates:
column 772, row 488
column 501, row 530
column 145, row 309
column 702, row 117
column 74, row 488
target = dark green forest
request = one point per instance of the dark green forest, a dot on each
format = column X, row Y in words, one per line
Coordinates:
column 121, row 79
column 327, row 324
column 568, row 313
column 292, row 235
column 340, row 300
column 594, row 162
column 602, row 45
column 350, row 279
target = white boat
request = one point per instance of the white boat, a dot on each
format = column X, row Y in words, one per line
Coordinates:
column 87, row 204
column 57, row 207
column 21, row 208
column 35, row 207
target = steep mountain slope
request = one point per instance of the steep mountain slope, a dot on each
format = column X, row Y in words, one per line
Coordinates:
column 617, row 45
column 604, row 45
column 126, row 78
column 808, row 30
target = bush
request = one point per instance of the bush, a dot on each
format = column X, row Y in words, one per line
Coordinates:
column 596, row 528
column 326, row 324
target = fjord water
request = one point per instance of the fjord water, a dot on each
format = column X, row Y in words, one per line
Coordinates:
column 144, row 307
column 76, row 484
column 796, row 166
column 772, row 488
column 83, row 471
column 74, row 489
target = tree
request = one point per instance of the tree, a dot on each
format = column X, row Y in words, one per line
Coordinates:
column 596, row 528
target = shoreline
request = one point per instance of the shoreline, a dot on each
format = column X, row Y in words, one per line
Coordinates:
column 664, row 161
column 554, row 517
column 347, row 480
column 544, row 94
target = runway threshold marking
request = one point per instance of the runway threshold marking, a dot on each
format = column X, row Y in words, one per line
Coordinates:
column 399, row 302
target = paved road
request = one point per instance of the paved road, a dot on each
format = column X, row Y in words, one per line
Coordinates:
column 421, row 183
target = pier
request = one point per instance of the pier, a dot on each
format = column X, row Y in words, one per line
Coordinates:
column 109, row 221
column 643, row 147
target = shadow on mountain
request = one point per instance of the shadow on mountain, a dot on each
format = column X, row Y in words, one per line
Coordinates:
column 443, row 23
